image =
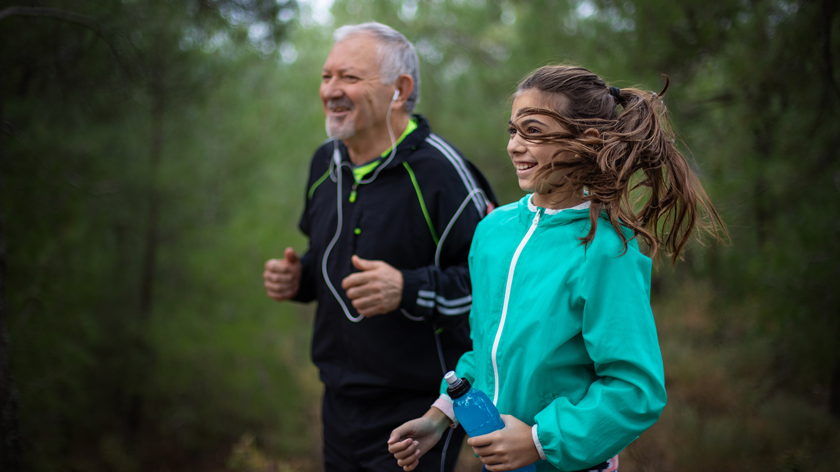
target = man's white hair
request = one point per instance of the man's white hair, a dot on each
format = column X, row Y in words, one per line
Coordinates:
column 395, row 53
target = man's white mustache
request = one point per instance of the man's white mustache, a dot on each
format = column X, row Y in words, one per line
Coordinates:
column 339, row 102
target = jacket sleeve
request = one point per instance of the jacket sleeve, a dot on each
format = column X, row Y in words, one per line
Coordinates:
column 457, row 199
column 308, row 281
column 437, row 295
column 620, row 337
column 307, row 291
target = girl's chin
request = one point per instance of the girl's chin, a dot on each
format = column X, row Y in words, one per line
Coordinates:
column 530, row 187
column 526, row 185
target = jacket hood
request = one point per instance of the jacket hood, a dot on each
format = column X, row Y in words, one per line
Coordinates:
column 549, row 217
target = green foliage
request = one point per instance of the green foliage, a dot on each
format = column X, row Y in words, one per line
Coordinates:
column 106, row 382
column 727, row 409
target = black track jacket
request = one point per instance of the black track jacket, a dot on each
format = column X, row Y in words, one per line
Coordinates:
column 386, row 221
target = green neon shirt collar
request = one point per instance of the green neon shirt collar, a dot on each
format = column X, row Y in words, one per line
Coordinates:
column 412, row 125
column 365, row 169
column 360, row 172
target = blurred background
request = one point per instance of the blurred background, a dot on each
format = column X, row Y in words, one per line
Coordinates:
column 154, row 154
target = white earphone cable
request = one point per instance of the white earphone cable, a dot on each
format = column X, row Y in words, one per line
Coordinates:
column 338, row 164
column 335, row 293
column 454, row 218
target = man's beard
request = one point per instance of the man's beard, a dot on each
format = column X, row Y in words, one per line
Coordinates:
column 340, row 128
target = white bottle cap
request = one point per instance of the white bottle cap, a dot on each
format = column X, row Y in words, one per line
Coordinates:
column 451, row 377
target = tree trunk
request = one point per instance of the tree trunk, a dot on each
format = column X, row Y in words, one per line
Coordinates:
column 761, row 188
column 150, row 243
column 9, row 399
column 9, row 430
column 834, row 389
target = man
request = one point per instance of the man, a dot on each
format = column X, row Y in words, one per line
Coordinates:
column 389, row 235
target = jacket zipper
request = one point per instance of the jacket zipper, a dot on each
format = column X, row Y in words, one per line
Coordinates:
column 353, row 192
column 505, row 305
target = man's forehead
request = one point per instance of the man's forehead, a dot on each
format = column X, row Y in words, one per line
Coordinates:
column 343, row 68
column 357, row 52
column 361, row 39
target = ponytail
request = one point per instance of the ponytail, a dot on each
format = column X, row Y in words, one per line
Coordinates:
column 628, row 152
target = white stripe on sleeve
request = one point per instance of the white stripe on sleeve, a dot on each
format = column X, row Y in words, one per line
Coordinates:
column 457, row 302
column 454, row 311
column 426, row 303
column 460, row 166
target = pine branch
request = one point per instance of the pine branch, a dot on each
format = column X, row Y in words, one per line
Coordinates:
column 51, row 13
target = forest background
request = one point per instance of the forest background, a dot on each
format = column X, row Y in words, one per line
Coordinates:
column 154, row 154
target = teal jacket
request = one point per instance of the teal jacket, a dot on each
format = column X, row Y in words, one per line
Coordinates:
column 563, row 335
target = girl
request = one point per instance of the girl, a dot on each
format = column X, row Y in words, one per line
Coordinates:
column 563, row 335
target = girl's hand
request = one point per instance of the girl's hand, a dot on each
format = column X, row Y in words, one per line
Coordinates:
column 413, row 439
column 509, row 448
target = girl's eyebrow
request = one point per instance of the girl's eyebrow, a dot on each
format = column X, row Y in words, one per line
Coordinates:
column 531, row 111
column 527, row 122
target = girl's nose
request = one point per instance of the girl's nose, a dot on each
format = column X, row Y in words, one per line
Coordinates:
column 515, row 145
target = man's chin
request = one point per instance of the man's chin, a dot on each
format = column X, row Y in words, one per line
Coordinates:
column 341, row 130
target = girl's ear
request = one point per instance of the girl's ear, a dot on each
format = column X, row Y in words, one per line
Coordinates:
column 591, row 133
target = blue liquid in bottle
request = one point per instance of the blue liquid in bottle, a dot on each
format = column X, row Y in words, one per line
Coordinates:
column 474, row 410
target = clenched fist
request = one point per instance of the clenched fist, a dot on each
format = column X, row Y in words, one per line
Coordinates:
column 376, row 289
column 282, row 276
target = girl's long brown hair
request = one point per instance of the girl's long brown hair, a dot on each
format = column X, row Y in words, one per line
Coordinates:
column 633, row 149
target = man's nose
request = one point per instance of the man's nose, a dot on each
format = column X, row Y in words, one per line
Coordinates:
column 330, row 89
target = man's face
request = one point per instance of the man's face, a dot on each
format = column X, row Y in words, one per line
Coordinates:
column 354, row 99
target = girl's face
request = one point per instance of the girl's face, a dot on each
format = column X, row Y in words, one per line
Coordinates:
column 527, row 157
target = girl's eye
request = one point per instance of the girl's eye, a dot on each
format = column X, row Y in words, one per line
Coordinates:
column 533, row 130
column 512, row 131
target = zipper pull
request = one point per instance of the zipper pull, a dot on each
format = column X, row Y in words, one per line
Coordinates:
column 536, row 218
column 353, row 192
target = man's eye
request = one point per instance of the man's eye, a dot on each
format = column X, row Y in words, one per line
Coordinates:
column 351, row 78
column 512, row 131
column 533, row 130
column 325, row 78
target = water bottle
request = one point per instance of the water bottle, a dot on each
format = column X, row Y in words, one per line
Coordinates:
column 474, row 410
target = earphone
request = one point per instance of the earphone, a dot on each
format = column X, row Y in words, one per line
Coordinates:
column 396, row 95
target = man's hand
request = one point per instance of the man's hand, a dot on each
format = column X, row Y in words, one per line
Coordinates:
column 413, row 439
column 508, row 448
column 377, row 289
column 282, row 276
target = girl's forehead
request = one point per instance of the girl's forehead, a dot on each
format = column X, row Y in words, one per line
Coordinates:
column 529, row 99
column 532, row 98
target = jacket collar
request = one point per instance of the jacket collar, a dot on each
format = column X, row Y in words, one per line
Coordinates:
column 527, row 209
column 404, row 148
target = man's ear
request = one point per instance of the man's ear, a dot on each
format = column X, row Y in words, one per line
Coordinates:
column 591, row 133
column 405, row 85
